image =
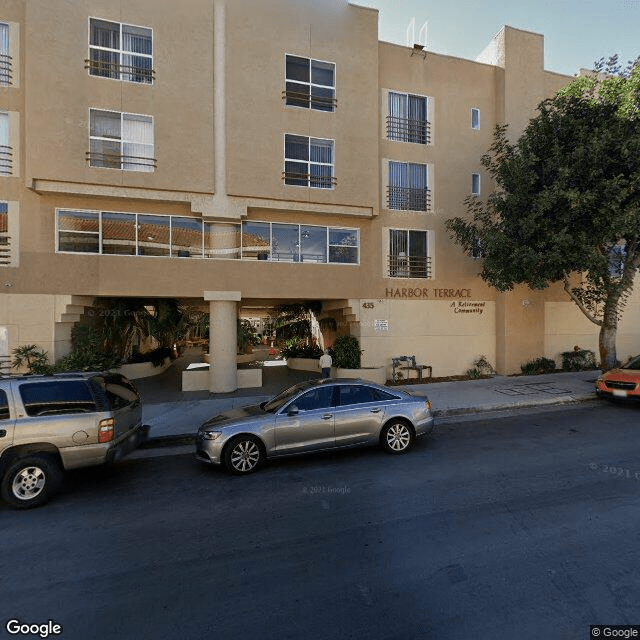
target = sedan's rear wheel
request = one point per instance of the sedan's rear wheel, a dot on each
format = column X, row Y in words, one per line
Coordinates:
column 243, row 455
column 396, row 437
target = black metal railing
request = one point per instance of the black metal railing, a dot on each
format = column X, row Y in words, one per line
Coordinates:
column 117, row 71
column 5, row 248
column 6, row 160
column 408, row 198
column 308, row 180
column 5, row 365
column 408, row 130
column 117, row 161
column 6, row 62
column 306, row 99
column 409, row 266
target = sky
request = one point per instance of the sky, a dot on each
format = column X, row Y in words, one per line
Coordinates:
column 576, row 32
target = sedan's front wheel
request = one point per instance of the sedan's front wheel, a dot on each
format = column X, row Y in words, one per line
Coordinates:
column 243, row 454
column 396, row 437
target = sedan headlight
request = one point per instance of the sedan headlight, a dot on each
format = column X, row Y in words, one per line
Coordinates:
column 211, row 435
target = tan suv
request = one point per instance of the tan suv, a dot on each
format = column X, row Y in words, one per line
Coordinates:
column 65, row 421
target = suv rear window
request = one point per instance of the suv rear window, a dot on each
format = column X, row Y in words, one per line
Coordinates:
column 55, row 397
column 117, row 389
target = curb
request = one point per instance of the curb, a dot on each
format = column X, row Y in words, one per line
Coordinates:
column 567, row 400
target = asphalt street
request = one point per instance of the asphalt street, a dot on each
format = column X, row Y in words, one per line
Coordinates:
column 523, row 527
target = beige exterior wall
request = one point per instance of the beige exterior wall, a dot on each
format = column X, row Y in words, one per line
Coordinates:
column 219, row 122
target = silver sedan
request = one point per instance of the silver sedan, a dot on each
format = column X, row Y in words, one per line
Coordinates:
column 315, row 416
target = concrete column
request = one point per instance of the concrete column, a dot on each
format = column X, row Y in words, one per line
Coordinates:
column 223, row 317
column 219, row 98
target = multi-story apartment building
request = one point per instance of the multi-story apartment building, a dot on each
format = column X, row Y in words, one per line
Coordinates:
column 242, row 154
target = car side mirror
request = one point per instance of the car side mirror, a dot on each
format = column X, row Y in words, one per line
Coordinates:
column 293, row 410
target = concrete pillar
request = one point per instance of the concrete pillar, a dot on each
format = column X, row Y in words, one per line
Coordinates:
column 223, row 317
column 219, row 98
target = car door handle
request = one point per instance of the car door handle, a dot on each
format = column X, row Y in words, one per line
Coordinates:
column 3, row 433
column 327, row 416
column 375, row 410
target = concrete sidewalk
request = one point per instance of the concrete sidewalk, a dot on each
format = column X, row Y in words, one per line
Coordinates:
column 180, row 419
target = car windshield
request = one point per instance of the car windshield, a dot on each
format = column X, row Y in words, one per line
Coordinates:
column 284, row 396
column 634, row 363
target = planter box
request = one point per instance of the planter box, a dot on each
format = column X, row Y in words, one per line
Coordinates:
column 240, row 359
column 373, row 374
column 304, row 364
column 138, row 370
column 198, row 379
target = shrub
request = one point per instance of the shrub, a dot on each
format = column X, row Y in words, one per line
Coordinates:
column 578, row 360
column 294, row 349
column 538, row 366
column 483, row 366
column 31, row 356
column 346, row 352
column 474, row 373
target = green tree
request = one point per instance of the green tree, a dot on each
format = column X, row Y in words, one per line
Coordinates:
column 567, row 202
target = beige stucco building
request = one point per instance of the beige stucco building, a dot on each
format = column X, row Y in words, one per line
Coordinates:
column 241, row 154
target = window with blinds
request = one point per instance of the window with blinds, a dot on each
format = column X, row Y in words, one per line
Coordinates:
column 408, row 254
column 310, row 84
column 407, row 118
column 121, row 141
column 5, row 57
column 120, row 51
column 308, row 162
column 6, row 151
column 408, row 188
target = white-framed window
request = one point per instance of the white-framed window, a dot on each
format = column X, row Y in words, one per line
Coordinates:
column 308, row 162
column 475, row 118
column 6, row 65
column 133, row 234
column 408, row 188
column 6, row 150
column 407, row 120
column 120, row 51
column 475, row 184
column 286, row 242
column 310, row 83
column 409, row 254
column 121, row 141
column 142, row 234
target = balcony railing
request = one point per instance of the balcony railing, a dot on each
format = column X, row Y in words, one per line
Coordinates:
column 308, row 180
column 408, row 198
column 305, row 99
column 6, row 160
column 117, row 161
column 5, row 249
column 408, row 130
column 117, row 71
column 409, row 266
column 6, row 62
column 5, row 369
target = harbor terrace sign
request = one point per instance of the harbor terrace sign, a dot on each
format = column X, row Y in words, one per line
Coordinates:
column 426, row 294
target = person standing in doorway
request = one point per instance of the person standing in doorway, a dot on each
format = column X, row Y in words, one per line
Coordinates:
column 325, row 364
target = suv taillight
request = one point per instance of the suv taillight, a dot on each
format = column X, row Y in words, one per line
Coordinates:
column 105, row 430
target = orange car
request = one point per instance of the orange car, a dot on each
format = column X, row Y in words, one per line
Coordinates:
column 623, row 382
